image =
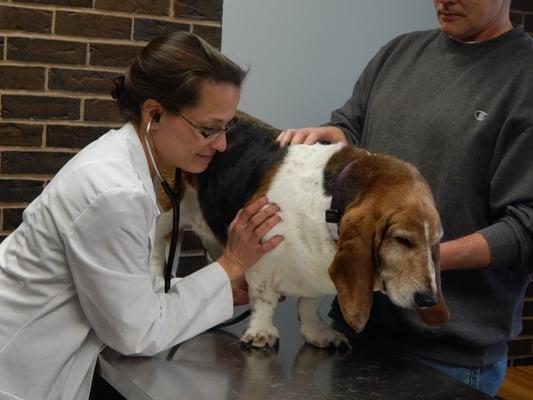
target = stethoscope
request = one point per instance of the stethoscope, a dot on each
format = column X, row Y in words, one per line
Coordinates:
column 173, row 195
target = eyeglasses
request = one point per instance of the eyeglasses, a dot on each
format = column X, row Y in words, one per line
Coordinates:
column 210, row 133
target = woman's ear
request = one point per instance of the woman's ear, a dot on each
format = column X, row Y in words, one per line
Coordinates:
column 151, row 112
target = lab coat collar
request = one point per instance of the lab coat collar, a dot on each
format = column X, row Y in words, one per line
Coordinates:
column 139, row 159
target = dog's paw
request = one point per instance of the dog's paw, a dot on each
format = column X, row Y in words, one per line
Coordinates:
column 264, row 338
column 324, row 337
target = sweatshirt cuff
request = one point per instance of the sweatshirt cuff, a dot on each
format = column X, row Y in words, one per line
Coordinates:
column 345, row 131
column 503, row 244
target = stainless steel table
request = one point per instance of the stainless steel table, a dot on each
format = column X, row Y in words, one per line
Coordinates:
column 213, row 366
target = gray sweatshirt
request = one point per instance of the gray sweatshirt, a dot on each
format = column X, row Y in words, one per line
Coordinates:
column 463, row 114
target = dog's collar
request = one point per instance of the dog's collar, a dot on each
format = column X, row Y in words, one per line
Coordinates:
column 333, row 213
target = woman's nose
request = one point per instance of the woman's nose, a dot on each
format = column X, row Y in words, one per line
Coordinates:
column 220, row 143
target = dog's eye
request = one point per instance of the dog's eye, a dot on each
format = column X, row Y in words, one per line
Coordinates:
column 404, row 241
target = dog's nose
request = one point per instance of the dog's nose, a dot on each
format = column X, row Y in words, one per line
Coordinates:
column 425, row 299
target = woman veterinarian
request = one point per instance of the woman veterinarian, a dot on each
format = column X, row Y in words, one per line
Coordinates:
column 74, row 276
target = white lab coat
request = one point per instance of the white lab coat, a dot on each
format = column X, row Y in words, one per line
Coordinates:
column 75, row 277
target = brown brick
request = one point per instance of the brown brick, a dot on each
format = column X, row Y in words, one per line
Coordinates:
column 40, row 107
column 523, row 361
column 101, row 111
column 517, row 18
column 191, row 242
column 20, row 135
column 49, row 51
column 522, row 5
column 528, row 309
column 212, row 34
column 529, row 290
column 527, row 327
column 75, row 3
column 24, row 78
column 33, row 162
column 518, row 347
column 147, row 29
column 154, row 7
column 80, row 80
column 112, row 55
column 103, row 26
column 200, row 9
column 2, row 40
column 15, row 191
column 25, row 19
column 528, row 23
column 188, row 265
column 12, row 218
column 72, row 136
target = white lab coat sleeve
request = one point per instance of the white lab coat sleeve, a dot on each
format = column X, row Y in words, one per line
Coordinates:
column 108, row 251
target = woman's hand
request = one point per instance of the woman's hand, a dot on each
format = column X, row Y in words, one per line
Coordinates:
column 244, row 247
column 311, row 136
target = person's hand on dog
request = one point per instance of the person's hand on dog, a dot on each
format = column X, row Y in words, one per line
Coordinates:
column 244, row 247
column 312, row 135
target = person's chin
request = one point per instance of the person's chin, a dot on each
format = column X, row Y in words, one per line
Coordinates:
column 203, row 159
column 200, row 164
column 453, row 31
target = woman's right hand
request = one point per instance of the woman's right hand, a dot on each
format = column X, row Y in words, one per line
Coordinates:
column 312, row 135
column 244, row 247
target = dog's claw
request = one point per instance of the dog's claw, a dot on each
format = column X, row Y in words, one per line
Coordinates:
column 265, row 339
column 325, row 338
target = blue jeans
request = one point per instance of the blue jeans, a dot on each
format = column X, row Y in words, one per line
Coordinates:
column 485, row 379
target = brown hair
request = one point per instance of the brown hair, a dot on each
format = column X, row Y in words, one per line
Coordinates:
column 171, row 69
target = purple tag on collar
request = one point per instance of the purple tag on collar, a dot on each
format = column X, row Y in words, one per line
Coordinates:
column 333, row 214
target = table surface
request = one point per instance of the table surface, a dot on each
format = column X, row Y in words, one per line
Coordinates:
column 213, row 366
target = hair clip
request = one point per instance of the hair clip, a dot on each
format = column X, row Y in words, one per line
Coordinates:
column 118, row 87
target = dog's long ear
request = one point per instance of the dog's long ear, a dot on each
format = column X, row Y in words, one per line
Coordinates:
column 352, row 270
column 438, row 314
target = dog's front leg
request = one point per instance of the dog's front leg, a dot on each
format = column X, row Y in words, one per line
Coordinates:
column 261, row 332
column 314, row 330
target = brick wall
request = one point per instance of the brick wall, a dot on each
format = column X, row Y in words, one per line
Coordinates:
column 522, row 13
column 56, row 61
column 521, row 349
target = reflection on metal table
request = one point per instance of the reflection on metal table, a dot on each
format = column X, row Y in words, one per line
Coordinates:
column 213, row 366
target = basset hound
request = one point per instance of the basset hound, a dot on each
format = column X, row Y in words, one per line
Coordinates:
column 388, row 229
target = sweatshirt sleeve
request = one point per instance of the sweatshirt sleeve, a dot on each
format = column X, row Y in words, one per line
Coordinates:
column 108, row 250
column 350, row 117
column 510, row 238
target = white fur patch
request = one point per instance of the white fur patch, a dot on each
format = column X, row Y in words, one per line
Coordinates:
column 430, row 265
column 299, row 265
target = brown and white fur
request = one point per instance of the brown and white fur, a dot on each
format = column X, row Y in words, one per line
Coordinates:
column 388, row 234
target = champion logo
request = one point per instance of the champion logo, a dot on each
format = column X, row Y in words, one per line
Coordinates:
column 480, row 115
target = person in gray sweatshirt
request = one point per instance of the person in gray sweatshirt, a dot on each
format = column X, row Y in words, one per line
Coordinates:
column 457, row 102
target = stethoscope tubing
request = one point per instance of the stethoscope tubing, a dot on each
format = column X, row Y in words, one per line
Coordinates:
column 174, row 197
